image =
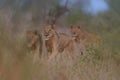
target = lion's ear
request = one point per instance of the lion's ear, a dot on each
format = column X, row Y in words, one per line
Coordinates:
column 35, row 32
column 28, row 32
column 71, row 26
column 79, row 27
column 53, row 26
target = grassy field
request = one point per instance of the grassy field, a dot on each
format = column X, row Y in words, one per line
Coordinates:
column 102, row 63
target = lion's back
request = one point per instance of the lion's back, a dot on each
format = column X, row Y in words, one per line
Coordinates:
column 64, row 40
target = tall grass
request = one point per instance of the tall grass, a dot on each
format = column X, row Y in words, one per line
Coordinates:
column 102, row 63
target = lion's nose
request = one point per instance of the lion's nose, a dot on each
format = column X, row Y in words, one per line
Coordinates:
column 46, row 34
column 73, row 38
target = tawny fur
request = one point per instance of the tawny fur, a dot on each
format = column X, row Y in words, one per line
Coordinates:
column 79, row 34
column 57, row 42
column 35, row 42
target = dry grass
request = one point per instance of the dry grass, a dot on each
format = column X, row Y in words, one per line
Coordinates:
column 102, row 63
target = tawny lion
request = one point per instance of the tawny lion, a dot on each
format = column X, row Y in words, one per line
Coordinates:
column 57, row 42
column 79, row 34
column 35, row 43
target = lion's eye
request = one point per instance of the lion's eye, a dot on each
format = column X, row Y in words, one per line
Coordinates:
column 49, row 31
column 73, row 32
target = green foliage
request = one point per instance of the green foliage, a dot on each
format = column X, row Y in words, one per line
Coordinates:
column 74, row 17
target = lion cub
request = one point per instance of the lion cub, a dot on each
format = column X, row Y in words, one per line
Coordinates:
column 81, row 35
column 35, row 43
column 57, row 42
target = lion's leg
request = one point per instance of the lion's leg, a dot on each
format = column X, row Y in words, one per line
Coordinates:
column 70, row 50
column 61, row 49
column 48, row 49
column 36, row 55
column 82, row 47
column 54, row 52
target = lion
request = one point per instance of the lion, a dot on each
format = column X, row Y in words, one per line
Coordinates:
column 35, row 43
column 81, row 35
column 57, row 42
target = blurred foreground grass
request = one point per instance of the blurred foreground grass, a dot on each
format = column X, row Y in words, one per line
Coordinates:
column 102, row 63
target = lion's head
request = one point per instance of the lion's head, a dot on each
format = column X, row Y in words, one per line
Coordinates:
column 31, row 33
column 31, row 36
column 49, row 31
column 75, row 31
